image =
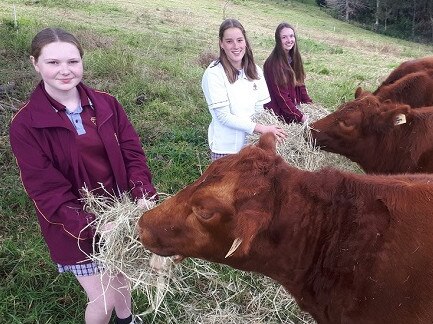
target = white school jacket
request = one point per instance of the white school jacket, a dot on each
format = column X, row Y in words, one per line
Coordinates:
column 231, row 107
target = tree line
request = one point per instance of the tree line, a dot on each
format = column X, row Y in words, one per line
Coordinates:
column 406, row 19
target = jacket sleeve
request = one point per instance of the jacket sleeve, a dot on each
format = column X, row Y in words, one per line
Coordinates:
column 47, row 187
column 225, row 117
column 215, row 92
column 303, row 94
column 264, row 96
column 284, row 100
column 138, row 172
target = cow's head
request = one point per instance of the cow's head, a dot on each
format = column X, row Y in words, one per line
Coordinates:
column 355, row 129
column 218, row 216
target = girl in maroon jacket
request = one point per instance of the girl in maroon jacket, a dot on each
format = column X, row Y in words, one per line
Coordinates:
column 66, row 137
column 285, row 75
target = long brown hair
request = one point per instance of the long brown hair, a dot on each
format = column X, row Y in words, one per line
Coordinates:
column 50, row 35
column 248, row 64
column 285, row 73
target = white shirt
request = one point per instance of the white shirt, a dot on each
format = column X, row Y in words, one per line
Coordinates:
column 231, row 106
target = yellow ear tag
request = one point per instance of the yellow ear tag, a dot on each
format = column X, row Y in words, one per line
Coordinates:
column 400, row 119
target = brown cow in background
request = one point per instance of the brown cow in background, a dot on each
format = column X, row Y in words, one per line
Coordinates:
column 410, row 83
column 407, row 67
column 382, row 137
column 414, row 89
column 350, row 248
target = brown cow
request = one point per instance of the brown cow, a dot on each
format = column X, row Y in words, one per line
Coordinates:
column 414, row 89
column 366, row 132
column 350, row 248
column 407, row 67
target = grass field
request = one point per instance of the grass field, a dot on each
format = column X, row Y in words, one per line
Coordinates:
column 151, row 56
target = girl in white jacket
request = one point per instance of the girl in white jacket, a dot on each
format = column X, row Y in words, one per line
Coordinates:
column 234, row 88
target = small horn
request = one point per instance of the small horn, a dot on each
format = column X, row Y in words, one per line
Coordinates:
column 400, row 119
column 234, row 247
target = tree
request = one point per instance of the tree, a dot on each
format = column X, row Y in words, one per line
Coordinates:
column 347, row 8
column 409, row 19
column 377, row 15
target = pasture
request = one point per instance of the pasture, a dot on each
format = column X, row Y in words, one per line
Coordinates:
column 150, row 55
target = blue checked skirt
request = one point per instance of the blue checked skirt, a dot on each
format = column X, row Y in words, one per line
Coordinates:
column 216, row 156
column 82, row 269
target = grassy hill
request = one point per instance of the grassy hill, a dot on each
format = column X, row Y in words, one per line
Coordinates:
column 151, row 56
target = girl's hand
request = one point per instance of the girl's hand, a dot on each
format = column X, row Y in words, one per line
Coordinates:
column 304, row 119
column 107, row 227
column 145, row 203
column 158, row 263
column 276, row 130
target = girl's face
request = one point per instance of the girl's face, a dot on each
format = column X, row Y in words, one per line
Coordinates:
column 234, row 44
column 60, row 67
column 287, row 37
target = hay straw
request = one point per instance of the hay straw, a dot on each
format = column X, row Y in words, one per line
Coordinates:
column 299, row 149
column 118, row 249
column 197, row 291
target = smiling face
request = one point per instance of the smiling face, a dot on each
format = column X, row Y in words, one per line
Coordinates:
column 288, row 39
column 233, row 44
column 60, row 66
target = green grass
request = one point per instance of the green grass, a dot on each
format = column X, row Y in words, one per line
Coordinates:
column 150, row 55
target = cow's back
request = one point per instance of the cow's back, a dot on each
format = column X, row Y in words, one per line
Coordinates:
column 414, row 89
column 407, row 67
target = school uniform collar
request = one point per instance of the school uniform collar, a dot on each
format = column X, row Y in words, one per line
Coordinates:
column 57, row 106
column 241, row 74
column 46, row 111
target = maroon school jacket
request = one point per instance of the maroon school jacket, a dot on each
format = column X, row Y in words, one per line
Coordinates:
column 284, row 100
column 46, row 153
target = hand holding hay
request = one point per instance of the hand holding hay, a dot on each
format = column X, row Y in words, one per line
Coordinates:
column 298, row 148
column 118, row 249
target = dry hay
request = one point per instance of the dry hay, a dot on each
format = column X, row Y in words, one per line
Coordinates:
column 298, row 149
column 197, row 291
column 118, row 248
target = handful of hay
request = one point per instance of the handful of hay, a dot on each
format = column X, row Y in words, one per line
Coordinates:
column 298, row 149
column 118, row 249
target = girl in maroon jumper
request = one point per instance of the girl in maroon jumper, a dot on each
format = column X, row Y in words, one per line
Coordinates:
column 285, row 76
column 68, row 136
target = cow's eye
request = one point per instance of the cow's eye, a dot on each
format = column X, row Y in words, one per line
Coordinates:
column 202, row 213
column 345, row 127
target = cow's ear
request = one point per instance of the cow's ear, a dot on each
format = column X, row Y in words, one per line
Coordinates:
column 268, row 142
column 397, row 116
column 358, row 92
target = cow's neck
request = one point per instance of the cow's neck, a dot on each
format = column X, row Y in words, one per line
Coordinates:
column 394, row 152
column 316, row 238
